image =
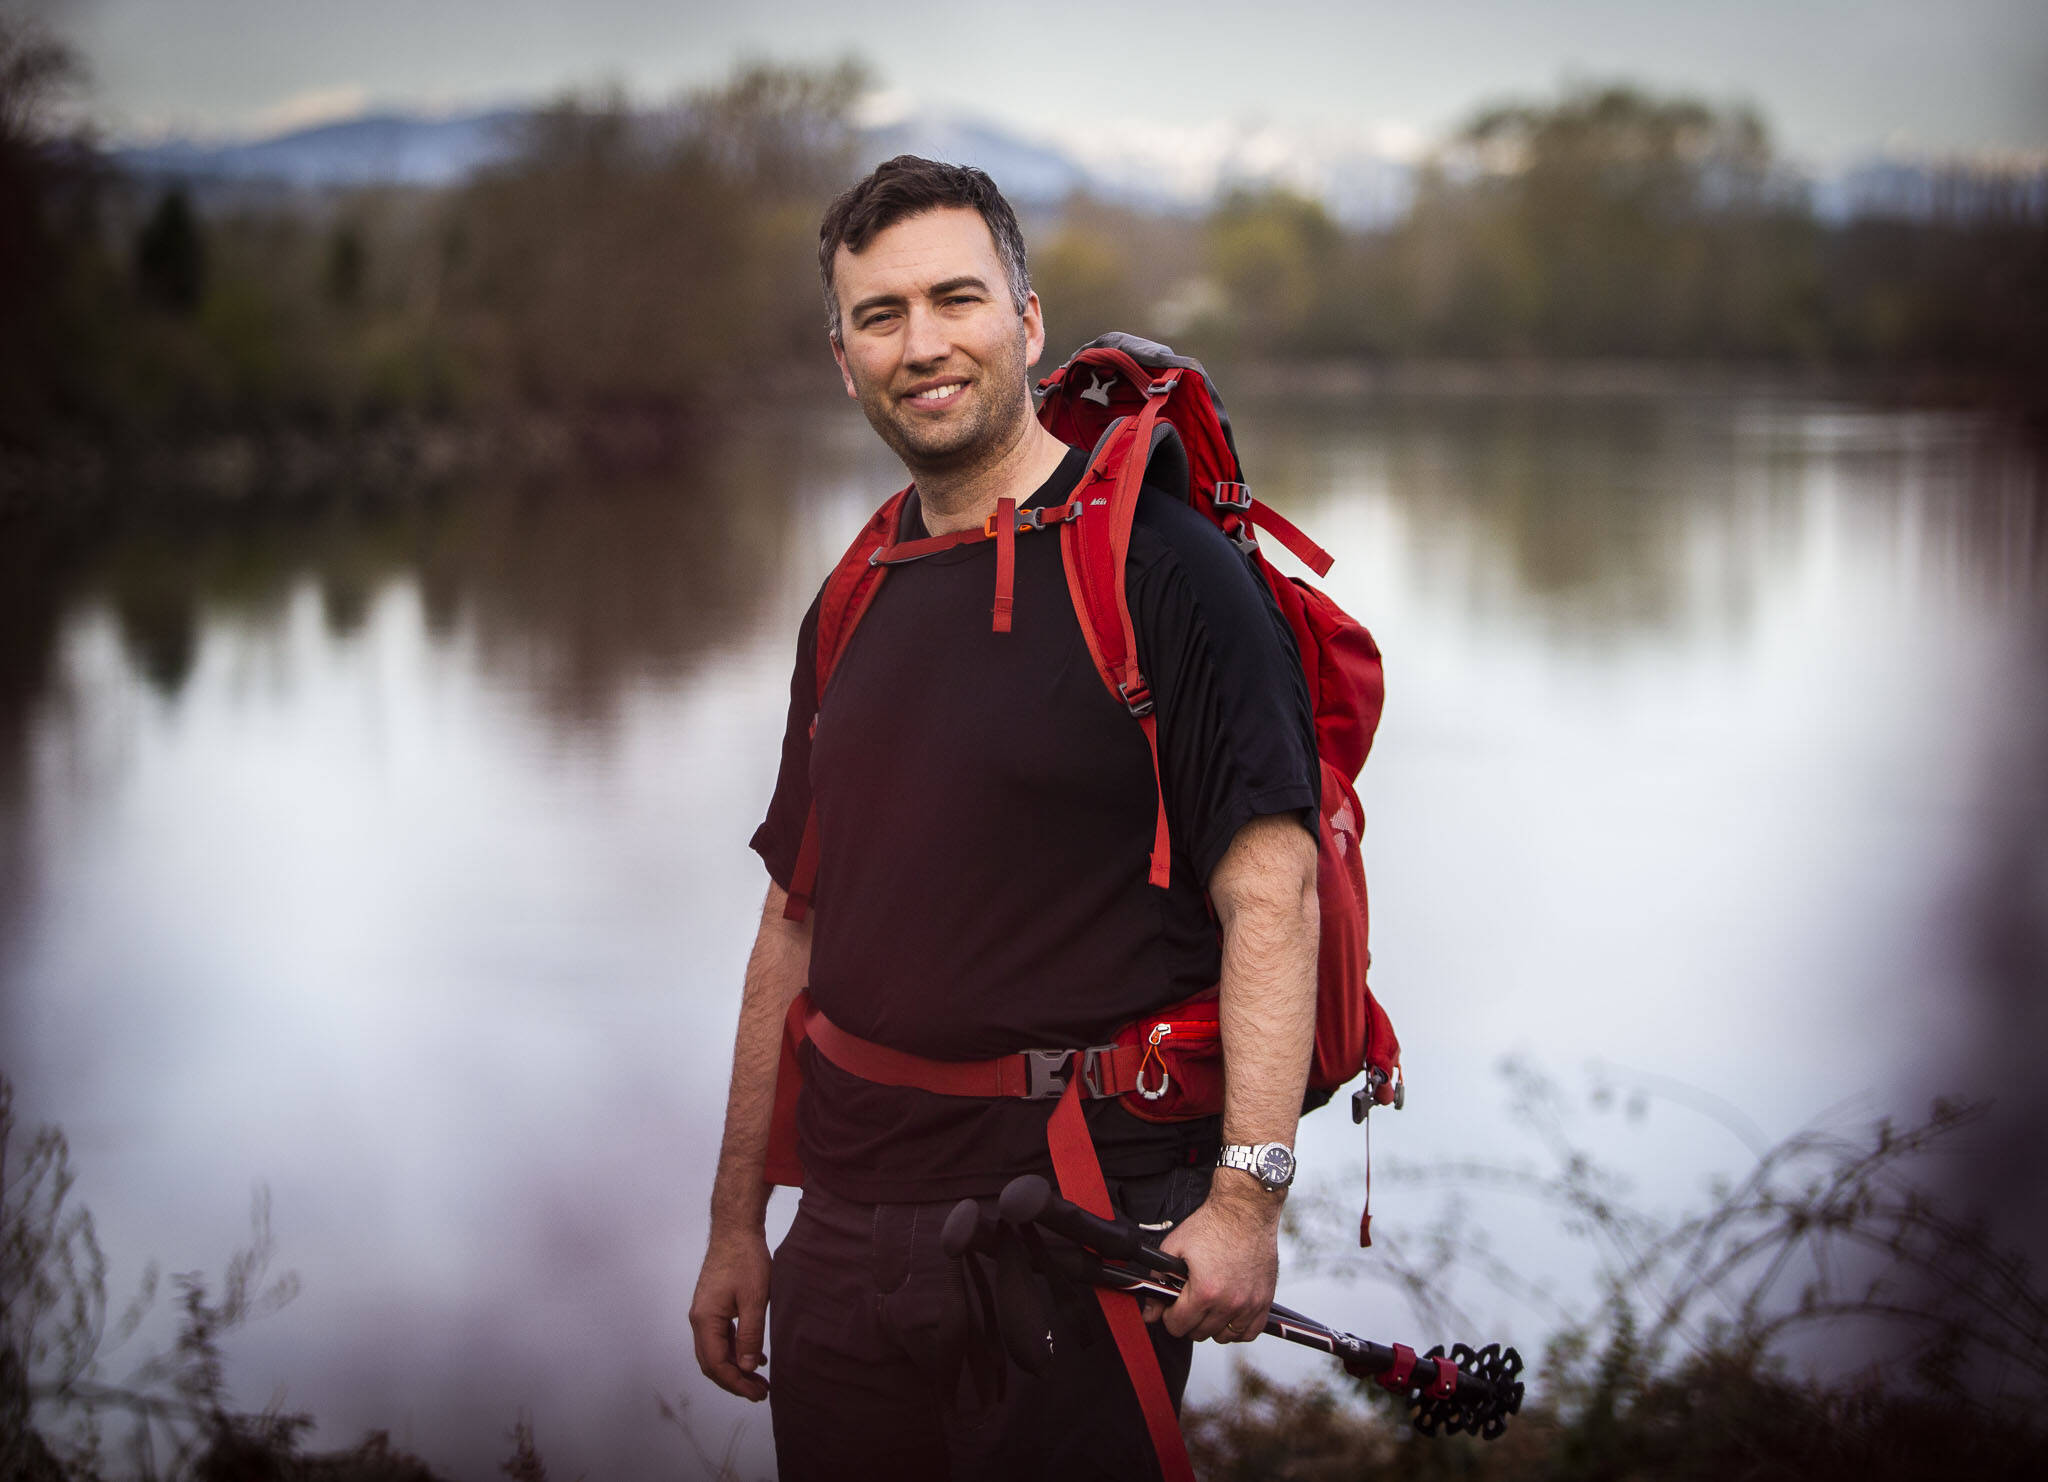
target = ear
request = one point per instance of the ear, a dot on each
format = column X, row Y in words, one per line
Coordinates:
column 1034, row 330
column 845, row 375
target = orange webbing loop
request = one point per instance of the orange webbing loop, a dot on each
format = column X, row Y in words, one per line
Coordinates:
column 1079, row 1173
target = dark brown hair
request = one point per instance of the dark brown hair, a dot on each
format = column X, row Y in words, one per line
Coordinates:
column 909, row 186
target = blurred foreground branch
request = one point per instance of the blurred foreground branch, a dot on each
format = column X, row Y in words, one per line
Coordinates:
column 171, row 1412
column 1936, row 1338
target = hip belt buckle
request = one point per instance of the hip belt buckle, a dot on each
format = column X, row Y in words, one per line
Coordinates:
column 1046, row 1072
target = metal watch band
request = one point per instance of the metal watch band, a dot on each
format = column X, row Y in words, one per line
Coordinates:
column 1271, row 1163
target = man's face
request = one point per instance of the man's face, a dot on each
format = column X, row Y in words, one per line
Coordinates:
column 929, row 342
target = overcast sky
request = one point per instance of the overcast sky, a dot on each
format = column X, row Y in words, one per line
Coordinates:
column 1835, row 78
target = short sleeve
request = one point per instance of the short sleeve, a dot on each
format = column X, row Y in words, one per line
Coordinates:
column 781, row 833
column 1236, row 730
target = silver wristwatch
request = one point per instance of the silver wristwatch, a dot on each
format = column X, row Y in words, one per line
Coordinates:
column 1271, row 1163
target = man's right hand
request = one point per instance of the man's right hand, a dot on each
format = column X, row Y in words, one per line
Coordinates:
column 733, row 1288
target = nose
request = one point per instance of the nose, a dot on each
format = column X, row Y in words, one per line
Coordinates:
column 926, row 341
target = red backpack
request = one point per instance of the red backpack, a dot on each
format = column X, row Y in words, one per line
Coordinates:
column 1117, row 395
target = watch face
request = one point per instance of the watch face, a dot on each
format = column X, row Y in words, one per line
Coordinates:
column 1276, row 1165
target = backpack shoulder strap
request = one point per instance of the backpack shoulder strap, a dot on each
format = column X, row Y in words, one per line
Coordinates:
column 848, row 591
column 853, row 584
column 1094, row 547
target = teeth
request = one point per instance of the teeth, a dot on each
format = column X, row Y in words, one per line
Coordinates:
column 942, row 393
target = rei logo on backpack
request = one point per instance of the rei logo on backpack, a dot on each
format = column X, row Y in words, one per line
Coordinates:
column 1151, row 415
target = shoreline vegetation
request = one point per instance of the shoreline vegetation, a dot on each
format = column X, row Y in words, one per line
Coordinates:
column 406, row 457
column 1937, row 1356
column 626, row 281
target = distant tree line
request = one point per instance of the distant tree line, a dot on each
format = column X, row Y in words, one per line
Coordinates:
column 661, row 265
column 619, row 260
column 1605, row 223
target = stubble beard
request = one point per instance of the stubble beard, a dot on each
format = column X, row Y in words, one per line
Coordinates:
column 964, row 445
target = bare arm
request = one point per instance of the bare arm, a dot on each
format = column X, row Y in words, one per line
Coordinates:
column 1264, row 891
column 733, row 1285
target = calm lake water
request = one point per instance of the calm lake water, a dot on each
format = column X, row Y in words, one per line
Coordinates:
column 397, row 861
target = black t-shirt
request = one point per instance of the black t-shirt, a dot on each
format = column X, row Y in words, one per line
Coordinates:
column 985, row 824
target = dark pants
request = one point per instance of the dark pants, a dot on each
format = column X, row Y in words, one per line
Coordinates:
column 869, row 1324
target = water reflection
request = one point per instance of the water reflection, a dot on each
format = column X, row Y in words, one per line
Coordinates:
column 1607, row 520
column 396, row 854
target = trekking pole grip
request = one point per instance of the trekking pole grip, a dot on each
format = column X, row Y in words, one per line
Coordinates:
column 1029, row 1199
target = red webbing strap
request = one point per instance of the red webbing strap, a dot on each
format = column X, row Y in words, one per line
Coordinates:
column 1116, row 1070
column 927, row 545
column 1095, row 580
column 1365, row 1210
column 1006, row 564
column 1003, row 1076
column 852, row 586
column 803, row 879
column 1123, row 510
column 1306, row 551
column 1079, row 1173
column 1161, row 873
column 848, row 591
column 782, row 1165
column 1086, row 561
column 1036, row 518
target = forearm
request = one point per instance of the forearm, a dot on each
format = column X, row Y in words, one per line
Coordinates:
column 776, row 971
column 1264, row 891
column 1265, row 896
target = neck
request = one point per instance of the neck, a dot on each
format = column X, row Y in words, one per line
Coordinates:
column 960, row 499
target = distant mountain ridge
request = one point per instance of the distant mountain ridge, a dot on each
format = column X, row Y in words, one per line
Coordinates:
column 1363, row 181
column 391, row 148
column 1160, row 171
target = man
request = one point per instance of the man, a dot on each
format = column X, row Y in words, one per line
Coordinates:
column 985, row 812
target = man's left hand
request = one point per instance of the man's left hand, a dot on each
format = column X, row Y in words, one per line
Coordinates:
column 1232, row 1247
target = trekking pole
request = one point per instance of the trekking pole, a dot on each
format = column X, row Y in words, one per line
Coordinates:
column 1469, row 1391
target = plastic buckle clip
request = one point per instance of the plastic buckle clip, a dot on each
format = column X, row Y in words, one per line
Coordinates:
column 1045, row 1073
column 1092, row 1060
column 1136, row 695
column 1230, row 495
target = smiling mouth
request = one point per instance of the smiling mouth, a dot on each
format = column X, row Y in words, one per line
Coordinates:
column 938, row 396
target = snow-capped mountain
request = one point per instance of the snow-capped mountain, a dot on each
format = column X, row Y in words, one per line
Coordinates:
column 1364, row 175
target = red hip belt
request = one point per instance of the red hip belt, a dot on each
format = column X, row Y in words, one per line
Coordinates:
column 1031, row 1075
